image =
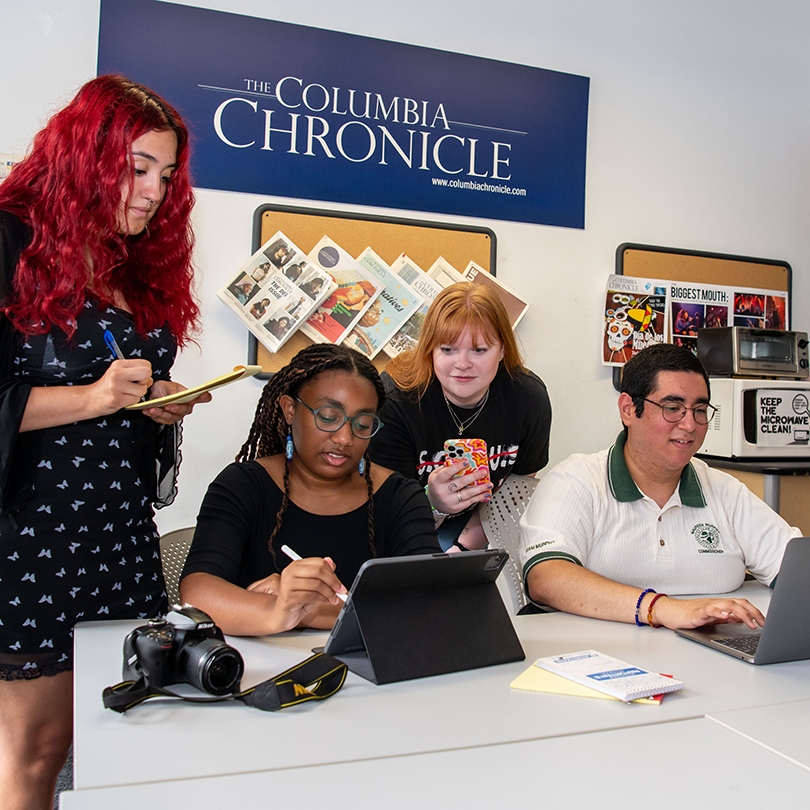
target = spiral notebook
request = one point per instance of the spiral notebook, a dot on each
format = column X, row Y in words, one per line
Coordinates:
column 609, row 675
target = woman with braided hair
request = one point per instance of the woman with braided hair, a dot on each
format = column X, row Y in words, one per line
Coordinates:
column 303, row 478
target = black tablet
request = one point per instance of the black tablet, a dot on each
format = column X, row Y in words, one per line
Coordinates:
column 429, row 614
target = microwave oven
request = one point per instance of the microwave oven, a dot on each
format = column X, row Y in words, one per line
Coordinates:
column 759, row 419
column 744, row 351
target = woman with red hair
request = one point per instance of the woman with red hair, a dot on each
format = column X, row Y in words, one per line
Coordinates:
column 465, row 378
column 95, row 297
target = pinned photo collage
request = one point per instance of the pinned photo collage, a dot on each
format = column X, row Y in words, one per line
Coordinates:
column 331, row 296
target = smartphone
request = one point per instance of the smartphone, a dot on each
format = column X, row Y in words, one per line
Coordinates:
column 473, row 450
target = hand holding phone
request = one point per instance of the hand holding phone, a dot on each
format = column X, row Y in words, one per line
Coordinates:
column 474, row 452
column 463, row 480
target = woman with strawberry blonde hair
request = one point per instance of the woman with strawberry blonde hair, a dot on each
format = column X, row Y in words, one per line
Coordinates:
column 465, row 378
column 95, row 297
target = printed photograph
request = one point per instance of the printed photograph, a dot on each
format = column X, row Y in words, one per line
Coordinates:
column 279, row 252
column 243, row 288
column 686, row 319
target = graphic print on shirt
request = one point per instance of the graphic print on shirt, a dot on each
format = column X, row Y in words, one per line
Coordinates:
column 708, row 538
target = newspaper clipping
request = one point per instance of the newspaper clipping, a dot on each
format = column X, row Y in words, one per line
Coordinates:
column 276, row 290
column 355, row 292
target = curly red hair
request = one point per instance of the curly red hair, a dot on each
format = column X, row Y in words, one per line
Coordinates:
column 68, row 191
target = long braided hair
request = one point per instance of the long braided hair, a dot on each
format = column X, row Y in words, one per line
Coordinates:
column 268, row 433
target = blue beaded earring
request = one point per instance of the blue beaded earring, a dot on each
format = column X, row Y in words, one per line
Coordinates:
column 361, row 467
column 289, row 451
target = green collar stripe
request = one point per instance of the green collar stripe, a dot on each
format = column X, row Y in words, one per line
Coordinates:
column 622, row 486
column 624, row 489
column 691, row 489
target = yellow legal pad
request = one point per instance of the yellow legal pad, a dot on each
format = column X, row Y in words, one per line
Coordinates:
column 537, row 679
column 238, row 373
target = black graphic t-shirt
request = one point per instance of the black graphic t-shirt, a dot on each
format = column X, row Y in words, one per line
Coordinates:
column 515, row 423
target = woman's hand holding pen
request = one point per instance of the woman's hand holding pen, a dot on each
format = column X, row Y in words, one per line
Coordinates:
column 307, row 594
column 169, row 414
column 124, row 383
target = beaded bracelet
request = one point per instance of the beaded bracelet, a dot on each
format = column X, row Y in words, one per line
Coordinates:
column 650, row 609
column 638, row 604
column 435, row 511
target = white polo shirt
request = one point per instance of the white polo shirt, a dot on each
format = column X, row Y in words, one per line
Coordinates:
column 588, row 510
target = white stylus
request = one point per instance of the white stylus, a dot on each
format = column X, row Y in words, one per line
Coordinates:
column 293, row 556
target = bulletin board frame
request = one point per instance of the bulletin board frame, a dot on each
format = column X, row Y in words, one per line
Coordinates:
column 702, row 267
column 422, row 240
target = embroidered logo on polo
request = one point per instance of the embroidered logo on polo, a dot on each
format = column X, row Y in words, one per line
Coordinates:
column 708, row 538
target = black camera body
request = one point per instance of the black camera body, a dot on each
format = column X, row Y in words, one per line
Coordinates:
column 184, row 647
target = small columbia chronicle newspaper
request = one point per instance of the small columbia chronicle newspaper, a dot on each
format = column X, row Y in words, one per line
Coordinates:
column 609, row 675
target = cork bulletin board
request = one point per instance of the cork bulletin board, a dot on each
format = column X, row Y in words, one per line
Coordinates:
column 646, row 261
column 674, row 264
column 424, row 242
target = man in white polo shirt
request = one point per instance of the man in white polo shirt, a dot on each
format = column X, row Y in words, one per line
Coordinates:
column 608, row 535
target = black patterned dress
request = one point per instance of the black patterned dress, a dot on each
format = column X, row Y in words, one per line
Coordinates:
column 85, row 546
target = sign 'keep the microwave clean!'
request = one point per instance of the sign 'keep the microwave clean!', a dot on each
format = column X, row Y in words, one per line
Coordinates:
column 783, row 417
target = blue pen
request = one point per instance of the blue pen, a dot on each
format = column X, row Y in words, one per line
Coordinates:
column 116, row 351
column 112, row 345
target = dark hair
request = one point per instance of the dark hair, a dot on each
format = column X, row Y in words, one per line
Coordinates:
column 68, row 190
column 268, row 433
column 640, row 373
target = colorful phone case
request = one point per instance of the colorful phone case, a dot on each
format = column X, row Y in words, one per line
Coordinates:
column 473, row 450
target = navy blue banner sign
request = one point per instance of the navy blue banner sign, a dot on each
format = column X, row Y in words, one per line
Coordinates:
column 293, row 111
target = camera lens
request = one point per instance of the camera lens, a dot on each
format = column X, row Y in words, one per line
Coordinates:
column 210, row 665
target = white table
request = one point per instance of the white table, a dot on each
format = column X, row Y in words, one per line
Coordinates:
column 668, row 765
column 781, row 728
column 162, row 741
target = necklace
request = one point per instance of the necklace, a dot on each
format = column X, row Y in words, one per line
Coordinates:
column 462, row 426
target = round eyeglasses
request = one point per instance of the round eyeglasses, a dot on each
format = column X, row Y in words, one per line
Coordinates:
column 673, row 412
column 330, row 419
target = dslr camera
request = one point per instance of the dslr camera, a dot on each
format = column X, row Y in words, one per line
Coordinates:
column 184, row 647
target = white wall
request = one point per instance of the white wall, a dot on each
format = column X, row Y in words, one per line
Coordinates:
column 699, row 137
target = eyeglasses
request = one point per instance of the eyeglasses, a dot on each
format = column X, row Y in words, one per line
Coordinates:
column 330, row 419
column 702, row 414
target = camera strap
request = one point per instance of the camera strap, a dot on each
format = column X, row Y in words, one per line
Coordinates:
column 316, row 678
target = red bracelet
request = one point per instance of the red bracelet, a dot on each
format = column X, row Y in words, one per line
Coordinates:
column 650, row 609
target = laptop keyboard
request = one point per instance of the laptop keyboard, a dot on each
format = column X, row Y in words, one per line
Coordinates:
column 743, row 644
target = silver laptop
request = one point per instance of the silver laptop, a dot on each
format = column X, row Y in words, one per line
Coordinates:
column 786, row 634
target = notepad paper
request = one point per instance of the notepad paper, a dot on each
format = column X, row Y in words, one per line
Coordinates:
column 187, row 394
column 609, row 675
column 535, row 679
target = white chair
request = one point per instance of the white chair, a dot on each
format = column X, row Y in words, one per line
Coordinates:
column 174, row 548
column 501, row 521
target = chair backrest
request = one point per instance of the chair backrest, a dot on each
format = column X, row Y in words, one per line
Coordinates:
column 174, row 548
column 501, row 521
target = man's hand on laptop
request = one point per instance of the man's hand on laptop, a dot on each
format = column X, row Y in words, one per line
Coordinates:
column 690, row 613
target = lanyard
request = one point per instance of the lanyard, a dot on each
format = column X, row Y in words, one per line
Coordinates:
column 316, row 678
